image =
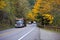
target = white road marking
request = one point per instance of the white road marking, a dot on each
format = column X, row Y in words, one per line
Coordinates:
column 26, row 34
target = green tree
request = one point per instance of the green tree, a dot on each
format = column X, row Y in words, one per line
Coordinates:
column 21, row 8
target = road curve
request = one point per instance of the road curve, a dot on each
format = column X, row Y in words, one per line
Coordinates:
column 31, row 32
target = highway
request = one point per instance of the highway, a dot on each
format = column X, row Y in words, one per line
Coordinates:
column 31, row 32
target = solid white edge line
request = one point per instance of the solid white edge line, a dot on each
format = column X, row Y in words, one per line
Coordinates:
column 26, row 34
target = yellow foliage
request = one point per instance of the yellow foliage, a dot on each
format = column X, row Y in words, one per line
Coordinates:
column 36, row 6
column 30, row 16
column 58, row 2
column 38, row 1
column 48, row 17
column 2, row 4
column 34, row 10
column 45, row 7
column 42, row 6
column 51, row 22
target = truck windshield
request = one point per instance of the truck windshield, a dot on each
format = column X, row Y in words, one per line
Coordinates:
column 20, row 22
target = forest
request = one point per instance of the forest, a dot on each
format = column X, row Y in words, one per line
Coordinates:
column 32, row 10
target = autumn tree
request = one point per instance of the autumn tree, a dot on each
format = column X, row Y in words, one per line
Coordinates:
column 12, row 9
column 21, row 8
column 42, row 7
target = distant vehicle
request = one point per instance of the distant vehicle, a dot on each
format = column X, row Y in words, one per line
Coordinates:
column 29, row 22
column 34, row 22
column 20, row 23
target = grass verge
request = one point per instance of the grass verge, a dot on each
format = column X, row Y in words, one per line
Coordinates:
column 5, row 27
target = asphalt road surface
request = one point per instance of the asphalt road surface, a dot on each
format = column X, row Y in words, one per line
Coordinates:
column 31, row 32
column 49, row 35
